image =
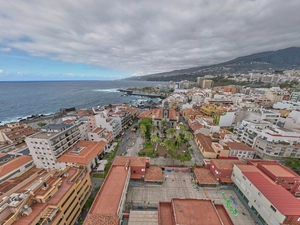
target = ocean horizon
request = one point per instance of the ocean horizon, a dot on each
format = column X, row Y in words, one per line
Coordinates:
column 21, row 99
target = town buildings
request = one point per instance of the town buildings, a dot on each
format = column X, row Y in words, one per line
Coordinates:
column 45, row 197
column 268, row 201
column 269, row 141
column 51, row 142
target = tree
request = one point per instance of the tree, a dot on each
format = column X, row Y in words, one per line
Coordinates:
column 188, row 135
column 143, row 130
column 156, row 140
column 148, row 123
column 171, row 131
column 292, row 163
column 153, row 128
column 41, row 124
column 182, row 128
column 178, row 141
column 163, row 123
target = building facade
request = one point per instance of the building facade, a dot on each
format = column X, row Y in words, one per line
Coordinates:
column 51, row 142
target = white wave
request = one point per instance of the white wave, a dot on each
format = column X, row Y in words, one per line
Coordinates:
column 107, row 90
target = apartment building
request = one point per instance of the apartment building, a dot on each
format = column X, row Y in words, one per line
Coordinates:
column 295, row 96
column 267, row 201
column 51, row 142
column 277, row 143
column 259, row 114
column 247, row 130
column 101, row 134
column 110, row 123
column 269, row 141
column 45, row 197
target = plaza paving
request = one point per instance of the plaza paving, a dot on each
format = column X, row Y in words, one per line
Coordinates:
column 179, row 185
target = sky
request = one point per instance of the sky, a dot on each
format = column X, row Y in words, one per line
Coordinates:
column 108, row 40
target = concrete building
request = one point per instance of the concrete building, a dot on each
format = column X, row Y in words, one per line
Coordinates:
column 110, row 123
column 277, row 143
column 259, row 114
column 289, row 105
column 13, row 166
column 240, row 150
column 292, row 121
column 275, row 95
column 51, row 142
column 268, row 202
column 295, row 96
column 45, row 197
column 207, row 84
column 101, row 134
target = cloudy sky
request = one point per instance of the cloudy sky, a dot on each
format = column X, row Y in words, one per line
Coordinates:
column 100, row 39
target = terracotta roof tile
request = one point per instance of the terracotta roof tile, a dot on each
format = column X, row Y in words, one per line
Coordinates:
column 134, row 161
column 239, row 146
column 154, row 173
column 101, row 219
column 195, row 126
column 205, row 141
column 205, row 176
column 14, row 164
column 223, row 164
column 90, row 151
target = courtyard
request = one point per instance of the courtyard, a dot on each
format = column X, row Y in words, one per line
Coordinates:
column 179, row 185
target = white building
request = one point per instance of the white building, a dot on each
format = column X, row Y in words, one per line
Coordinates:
column 51, row 142
column 289, row 105
column 292, row 121
column 267, row 201
column 110, row 123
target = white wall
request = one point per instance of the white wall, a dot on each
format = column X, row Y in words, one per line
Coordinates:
column 227, row 119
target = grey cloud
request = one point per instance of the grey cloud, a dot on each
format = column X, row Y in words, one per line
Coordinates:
column 148, row 36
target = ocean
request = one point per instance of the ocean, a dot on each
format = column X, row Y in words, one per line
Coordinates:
column 23, row 99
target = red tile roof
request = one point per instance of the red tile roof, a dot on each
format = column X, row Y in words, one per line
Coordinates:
column 280, row 198
column 195, row 126
column 224, row 164
column 101, row 219
column 239, row 146
column 14, row 164
column 205, row 141
column 205, row 176
column 90, row 151
column 154, row 173
column 133, row 161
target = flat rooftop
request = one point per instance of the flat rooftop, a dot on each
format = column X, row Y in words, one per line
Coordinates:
column 44, row 135
column 186, row 211
column 278, row 170
column 143, row 217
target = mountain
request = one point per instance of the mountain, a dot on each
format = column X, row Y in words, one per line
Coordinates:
column 288, row 58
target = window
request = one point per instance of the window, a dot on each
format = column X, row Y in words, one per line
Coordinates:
column 291, row 183
column 273, row 208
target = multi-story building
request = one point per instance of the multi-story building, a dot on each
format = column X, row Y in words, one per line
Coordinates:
column 112, row 124
column 258, row 114
column 51, row 142
column 101, row 134
column 267, row 201
column 240, row 150
column 247, row 131
column 277, row 143
column 295, row 96
column 269, row 141
column 45, row 197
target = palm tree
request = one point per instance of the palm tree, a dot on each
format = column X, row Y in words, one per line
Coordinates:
column 156, row 140
column 171, row 131
column 153, row 127
column 168, row 145
column 182, row 128
column 178, row 140
column 188, row 135
column 143, row 129
column 163, row 123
